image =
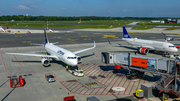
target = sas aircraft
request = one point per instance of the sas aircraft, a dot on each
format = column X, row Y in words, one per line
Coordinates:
column 58, row 53
column 145, row 45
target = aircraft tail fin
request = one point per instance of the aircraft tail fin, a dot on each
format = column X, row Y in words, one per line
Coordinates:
column 46, row 37
column 164, row 36
column 125, row 33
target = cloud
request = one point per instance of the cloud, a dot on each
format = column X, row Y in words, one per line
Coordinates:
column 28, row 2
column 63, row 8
column 26, row 5
column 33, row 6
column 109, row 11
column 22, row 7
column 125, row 10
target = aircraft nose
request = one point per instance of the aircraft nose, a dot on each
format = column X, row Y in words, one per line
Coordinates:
column 176, row 49
column 74, row 63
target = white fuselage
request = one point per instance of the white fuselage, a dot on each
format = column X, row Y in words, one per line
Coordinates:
column 62, row 54
column 151, row 45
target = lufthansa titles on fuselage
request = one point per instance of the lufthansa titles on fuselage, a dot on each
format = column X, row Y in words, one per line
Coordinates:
column 60, row 52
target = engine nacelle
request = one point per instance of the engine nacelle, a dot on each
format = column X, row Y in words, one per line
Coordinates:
column 79, row 59
column 45, row 62
column 143, row 51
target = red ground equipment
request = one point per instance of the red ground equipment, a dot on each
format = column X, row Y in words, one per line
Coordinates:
column 16, row 82
column 178, row 46
column 69, row 98
column 117, row 66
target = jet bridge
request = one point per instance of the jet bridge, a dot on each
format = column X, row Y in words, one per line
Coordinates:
column 141, row 63
column 169, row 69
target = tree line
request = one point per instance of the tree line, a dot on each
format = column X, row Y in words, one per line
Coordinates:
column 64, row 18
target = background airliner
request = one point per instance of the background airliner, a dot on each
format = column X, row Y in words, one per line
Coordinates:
column 58, row 53
column 145, row 45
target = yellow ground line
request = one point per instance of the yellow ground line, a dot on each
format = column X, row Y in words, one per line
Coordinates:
column 96, row 33
column 23, row 41
column 29, row 41
column 112, row 36
column 87, row 39
column 83, row 35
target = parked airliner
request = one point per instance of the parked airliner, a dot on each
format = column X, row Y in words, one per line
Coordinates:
column 58, row 53
column 145, row 45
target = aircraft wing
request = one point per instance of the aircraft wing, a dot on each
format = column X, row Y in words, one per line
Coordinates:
column 36, row 44
column 40, row 55
column 42, row 44
column 76, row 52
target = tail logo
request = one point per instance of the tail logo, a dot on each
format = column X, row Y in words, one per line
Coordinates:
column 126, row 36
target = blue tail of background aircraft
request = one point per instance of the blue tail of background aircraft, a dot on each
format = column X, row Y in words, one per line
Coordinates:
column 125, row 33
column 164, row 36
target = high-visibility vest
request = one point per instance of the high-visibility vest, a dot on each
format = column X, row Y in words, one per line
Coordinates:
column 66, row 67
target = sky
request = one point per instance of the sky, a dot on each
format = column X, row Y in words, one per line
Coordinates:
column 106, row 8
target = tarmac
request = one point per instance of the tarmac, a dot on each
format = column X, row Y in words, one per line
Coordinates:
column 75, row 36
column 156, row 29
column 37, row 88
column 105, row 76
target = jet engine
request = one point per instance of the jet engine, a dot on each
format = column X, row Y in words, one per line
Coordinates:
column 143, row 50
column 45, row 62
column 79, row 59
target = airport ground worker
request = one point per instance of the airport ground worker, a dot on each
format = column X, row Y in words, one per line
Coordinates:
column 169, row 55
column 66, row 68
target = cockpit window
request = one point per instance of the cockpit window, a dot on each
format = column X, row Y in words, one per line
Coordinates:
column 171, row 46
column 71, row 57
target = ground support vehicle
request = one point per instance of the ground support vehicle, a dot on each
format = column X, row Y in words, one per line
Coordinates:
column 76, row 72
column 49, row 77
column 16, row 82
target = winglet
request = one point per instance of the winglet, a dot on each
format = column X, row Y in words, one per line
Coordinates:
column 94, row 44
column 164, row 36
column 125, row 33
